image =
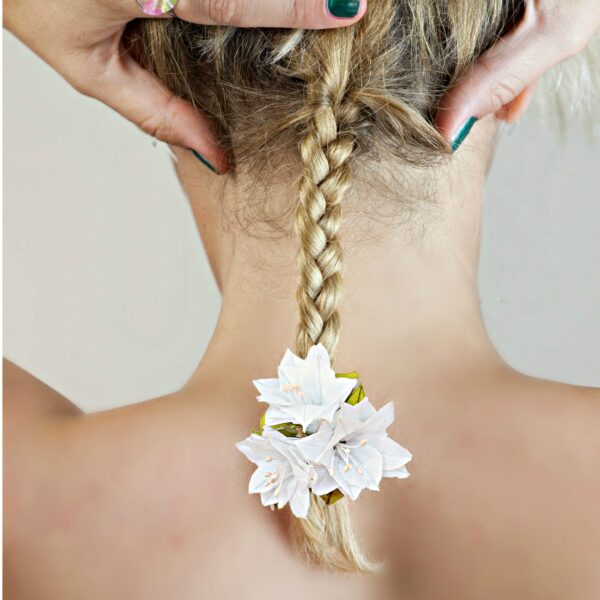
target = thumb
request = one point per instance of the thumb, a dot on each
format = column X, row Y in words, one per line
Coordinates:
column 500, row 75
column 141, row 98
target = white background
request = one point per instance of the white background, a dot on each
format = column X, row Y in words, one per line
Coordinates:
column 108, row 295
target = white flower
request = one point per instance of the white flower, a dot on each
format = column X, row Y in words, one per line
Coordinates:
column 306, row 391
column 356, row 448
column 341, row 446
column 284, row 474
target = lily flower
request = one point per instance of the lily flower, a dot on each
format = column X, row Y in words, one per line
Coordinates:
column 356, row 448
column 283, row 473
column 305, row 392
column 320, row 435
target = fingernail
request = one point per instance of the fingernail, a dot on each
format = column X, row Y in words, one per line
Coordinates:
column 463, row 132
column 345, row 9
column 204, row 161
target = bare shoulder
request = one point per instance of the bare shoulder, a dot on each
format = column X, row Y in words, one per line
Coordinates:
column 160, row 478
column 550, row 413
column 505, row 471
column 26, row 396
column 570, row 402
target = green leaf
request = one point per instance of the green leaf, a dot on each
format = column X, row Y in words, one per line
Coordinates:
column 351, row 375
column 288, row 429
column 261, row 425
column 358, row 393
column 332, row 497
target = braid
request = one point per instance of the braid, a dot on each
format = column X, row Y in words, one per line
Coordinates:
column 326, row 149
column 325, row 153
column 325, row 156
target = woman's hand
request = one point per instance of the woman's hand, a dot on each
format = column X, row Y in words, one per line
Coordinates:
column 81, row 39
column 503, row 79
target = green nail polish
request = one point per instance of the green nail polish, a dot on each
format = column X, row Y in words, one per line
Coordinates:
column 463, row 133
column 204, row 161
column 345, row 9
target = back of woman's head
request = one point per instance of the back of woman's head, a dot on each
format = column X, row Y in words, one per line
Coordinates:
column 381, row 79
column 325, row 98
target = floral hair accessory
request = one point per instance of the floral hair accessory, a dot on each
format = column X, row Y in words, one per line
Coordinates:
column 319, row 435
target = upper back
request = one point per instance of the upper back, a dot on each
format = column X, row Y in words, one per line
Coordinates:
column 150, row 500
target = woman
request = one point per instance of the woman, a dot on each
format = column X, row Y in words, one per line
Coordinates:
column 151, row 501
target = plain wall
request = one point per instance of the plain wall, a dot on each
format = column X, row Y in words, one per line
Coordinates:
column 108, row 296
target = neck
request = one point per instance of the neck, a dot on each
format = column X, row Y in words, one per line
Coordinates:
column 404, row 306
column 410, row 294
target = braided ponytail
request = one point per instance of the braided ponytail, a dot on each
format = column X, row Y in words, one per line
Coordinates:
column 326, row 149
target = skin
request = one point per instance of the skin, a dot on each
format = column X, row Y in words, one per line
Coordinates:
column 150, row 501
column 502, row 81
column 81, row 39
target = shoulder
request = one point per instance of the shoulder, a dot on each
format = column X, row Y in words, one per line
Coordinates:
column 561, row 397
column 547, row 406
column 27, row 396
column 505, row 469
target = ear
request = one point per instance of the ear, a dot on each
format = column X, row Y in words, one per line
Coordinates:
column 516, row 108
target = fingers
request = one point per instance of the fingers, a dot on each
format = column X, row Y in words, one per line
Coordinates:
column 508, row 70
column 513, row 111
column 498, row 77
column 140, row 97
column 300, row 14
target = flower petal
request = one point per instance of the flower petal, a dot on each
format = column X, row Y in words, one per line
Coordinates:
column 266, row 386
column 394, row 455
column 285, row 493
column 275, row 416
column 313, row 446
column 365, row 410
column 267, row 498
column 347, row 423
column 255, row 448
column 258, row 483
column 382, row 419
column 401, row 473
column 289, row 358
column 365, row 471
column 300, row 502
column 323, row 482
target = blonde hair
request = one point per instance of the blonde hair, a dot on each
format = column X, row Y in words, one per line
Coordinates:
column 327, row 97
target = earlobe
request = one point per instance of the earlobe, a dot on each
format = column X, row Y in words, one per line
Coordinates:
column 515, row 109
